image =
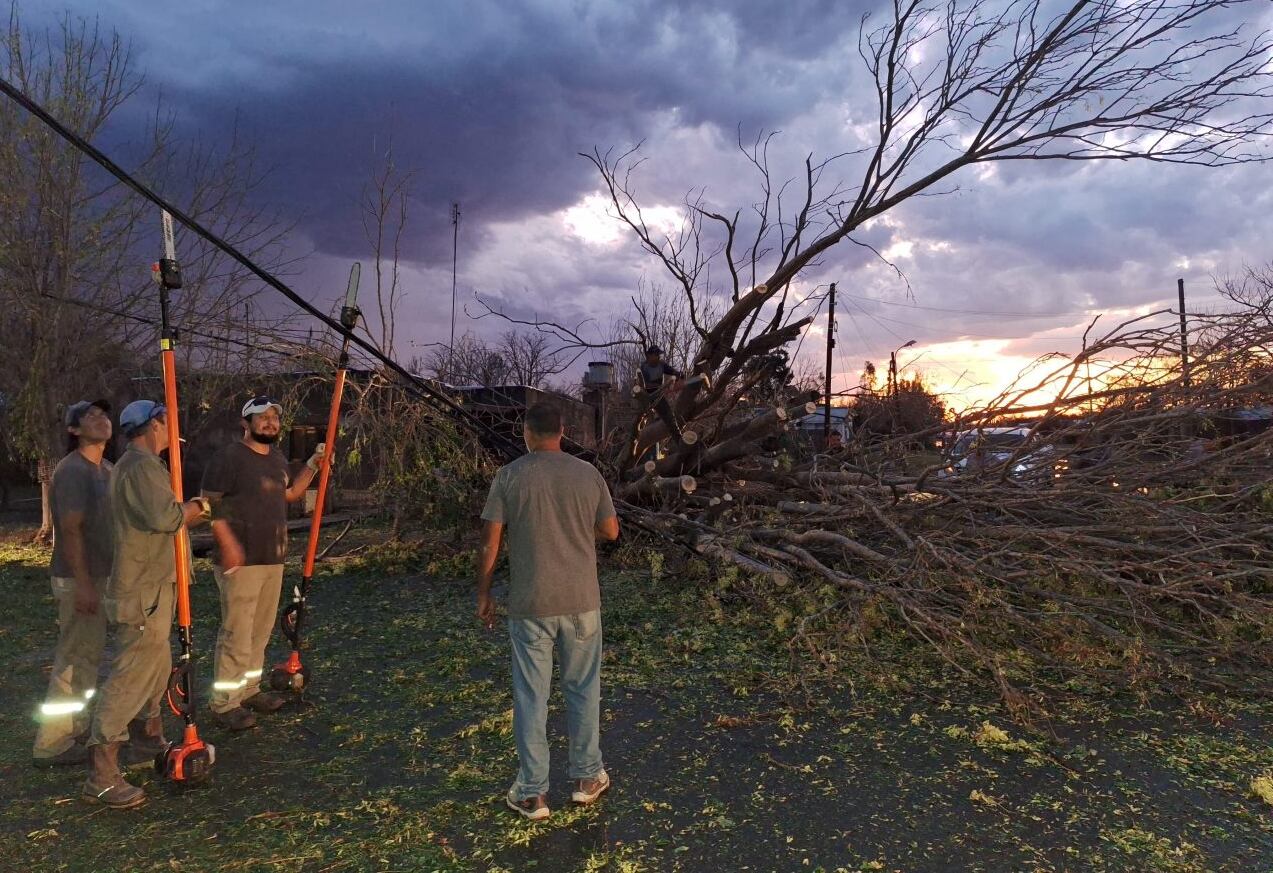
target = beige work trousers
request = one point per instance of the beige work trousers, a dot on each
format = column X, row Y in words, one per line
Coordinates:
column 81, row 640
column 142, row 622
column 249, row 606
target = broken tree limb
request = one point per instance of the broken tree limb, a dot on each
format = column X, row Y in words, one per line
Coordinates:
column 712, row 547
column 822, row 538
column 660, row 485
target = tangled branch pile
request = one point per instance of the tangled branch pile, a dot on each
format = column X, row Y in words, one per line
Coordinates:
column 1124, row 538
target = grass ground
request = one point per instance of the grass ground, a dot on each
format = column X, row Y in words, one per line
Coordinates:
column 402, row 757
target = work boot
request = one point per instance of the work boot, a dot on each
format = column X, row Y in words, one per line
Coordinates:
column 105, row 784
column 76, row 754
column 145, row 742
column 237, row 719
column 265, row 701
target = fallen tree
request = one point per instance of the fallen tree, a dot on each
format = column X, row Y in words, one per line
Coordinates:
column 1109, row 542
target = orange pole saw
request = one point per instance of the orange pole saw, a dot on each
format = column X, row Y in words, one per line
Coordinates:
column 292, row 674
column 189, row 759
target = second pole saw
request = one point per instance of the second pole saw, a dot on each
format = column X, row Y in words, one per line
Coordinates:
column 292, row 674
column 189, row 759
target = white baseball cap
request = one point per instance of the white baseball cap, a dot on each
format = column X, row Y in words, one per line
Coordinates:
column 260, row 403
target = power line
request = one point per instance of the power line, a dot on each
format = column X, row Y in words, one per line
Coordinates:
column 141, row 319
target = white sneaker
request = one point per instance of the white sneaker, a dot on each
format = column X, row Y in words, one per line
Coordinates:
column 533, row 808
column 588, row 790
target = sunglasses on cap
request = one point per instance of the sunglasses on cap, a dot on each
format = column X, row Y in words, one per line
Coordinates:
column 260, row 404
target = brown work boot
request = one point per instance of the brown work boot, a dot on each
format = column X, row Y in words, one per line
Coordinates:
column 588, row 790
column 237, row 719
column 533, row 808
column 265, row 701
column 76, row 754
column 105, row 784
column 145, row 742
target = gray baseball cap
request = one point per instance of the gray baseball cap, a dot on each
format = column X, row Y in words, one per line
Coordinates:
column 76, row 411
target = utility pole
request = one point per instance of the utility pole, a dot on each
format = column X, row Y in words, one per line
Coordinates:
column 455, row 248
column 826, row 420
column 1184, row 335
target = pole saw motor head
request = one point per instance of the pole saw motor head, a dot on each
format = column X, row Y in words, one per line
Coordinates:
column 291, row 675
column 188, row 762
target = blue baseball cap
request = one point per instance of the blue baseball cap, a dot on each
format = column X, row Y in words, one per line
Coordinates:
column 138, row 414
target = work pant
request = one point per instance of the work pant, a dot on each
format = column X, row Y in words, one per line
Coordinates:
column 142, row 623
column 664, row 410
column 249, row 606
column 577, row 639
column 81, row 639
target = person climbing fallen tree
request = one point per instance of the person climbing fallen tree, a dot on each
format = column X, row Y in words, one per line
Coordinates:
column 655, row 387
column 140, row 604
column 554, row 507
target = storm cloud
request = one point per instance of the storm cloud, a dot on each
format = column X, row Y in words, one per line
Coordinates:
column 489, row 103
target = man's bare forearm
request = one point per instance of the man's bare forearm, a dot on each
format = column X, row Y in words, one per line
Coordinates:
column 76, row 556
column 301, row 485
column 486, row 558
column 488, row 555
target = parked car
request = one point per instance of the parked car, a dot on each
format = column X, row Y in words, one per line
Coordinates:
column 985, row 448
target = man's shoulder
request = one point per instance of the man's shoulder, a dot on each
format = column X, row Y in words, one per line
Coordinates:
column 132, row 460
column 70, row 465
column 548, row 461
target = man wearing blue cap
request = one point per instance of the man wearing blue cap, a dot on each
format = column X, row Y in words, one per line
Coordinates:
column 79, row 501
column 250, row 486
column 139, row 603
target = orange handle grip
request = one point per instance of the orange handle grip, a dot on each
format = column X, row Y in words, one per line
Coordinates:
column 324, row 474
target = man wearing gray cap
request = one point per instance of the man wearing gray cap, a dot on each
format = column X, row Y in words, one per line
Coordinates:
column 79, row 501
column 250, row 486
column 139, row 603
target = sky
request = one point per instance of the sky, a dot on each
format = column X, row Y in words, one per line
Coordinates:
column 490, row 103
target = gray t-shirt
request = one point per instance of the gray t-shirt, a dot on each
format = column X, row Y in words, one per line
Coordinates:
column 79, row 485
column 652, row 375
column 550, row 504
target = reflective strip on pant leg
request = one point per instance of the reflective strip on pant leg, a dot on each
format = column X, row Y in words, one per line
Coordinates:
column 88, row 694
column 229, row 686
column 66, row 707
column 252, row 674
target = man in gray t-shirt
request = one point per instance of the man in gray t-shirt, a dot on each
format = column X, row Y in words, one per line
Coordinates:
column 554, row 507
column 79, row 501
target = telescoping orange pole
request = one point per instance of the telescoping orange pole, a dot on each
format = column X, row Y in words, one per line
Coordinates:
column 189, row 759
column 292, row 674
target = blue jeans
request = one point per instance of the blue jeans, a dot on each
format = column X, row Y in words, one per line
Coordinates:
column 578, row 642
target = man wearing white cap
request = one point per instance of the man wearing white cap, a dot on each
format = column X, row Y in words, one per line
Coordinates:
column 139, row 602
column 249, row 486
column 82, row 549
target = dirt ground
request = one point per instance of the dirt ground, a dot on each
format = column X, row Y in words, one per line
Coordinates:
column 402, row 752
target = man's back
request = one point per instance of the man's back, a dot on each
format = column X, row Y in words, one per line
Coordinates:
column 550, row 504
